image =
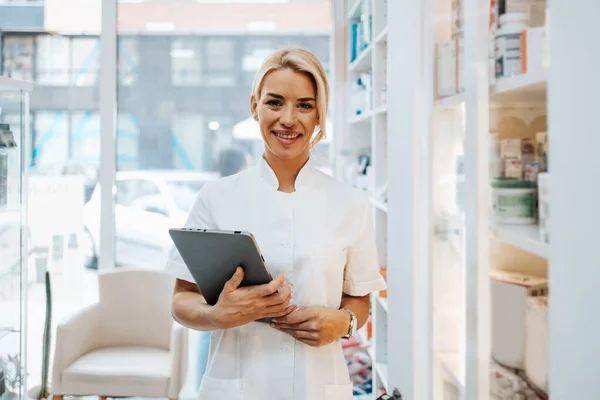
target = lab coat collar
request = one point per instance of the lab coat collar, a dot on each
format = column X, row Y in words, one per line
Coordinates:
column 304, row 179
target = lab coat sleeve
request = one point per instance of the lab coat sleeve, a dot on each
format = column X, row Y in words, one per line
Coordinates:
column 361, row 275
column 198, row 218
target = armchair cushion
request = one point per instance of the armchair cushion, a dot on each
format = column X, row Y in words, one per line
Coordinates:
column 120, row 371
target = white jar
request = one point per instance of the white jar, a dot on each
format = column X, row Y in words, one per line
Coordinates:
column 513, row 201
column 509, row 46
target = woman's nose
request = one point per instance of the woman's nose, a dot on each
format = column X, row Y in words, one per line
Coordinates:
column 288, row 116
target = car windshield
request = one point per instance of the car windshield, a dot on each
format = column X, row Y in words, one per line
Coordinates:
column 185, row 192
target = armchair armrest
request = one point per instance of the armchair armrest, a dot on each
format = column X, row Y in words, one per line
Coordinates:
column 179, row 359
column 75, row 336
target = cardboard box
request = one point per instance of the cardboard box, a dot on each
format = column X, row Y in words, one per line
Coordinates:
column 509, row 295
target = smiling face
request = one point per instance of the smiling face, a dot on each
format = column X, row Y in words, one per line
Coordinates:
column 287, row 113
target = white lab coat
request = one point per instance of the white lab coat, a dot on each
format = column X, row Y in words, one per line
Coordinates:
column 322, row 237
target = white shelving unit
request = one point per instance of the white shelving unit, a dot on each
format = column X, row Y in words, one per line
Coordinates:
column 435, row 232
column 366, row 133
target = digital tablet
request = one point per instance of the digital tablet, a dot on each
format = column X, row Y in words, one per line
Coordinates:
column 212, row 256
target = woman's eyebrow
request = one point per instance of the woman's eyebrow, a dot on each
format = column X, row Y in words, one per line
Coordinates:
column 278, row 96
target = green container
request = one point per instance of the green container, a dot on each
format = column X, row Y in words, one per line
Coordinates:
column 514, row 201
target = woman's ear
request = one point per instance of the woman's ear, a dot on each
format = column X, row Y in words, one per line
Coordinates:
column 254, row 107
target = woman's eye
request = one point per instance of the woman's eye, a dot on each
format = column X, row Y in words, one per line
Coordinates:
column 306, row 106
column 274, row 103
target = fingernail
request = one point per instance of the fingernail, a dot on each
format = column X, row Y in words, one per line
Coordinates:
column 237, row 271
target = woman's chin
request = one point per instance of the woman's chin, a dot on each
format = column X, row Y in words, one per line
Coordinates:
column 288, row 152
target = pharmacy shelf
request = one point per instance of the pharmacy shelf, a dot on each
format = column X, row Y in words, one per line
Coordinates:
column 452, row 101
column 454, row 368
column 383, row 36
column 361, row 118
column 525, row 237
column 383, row 302
column 382, row 371
column 378, row 204
column 362, row 62
column 382, row 109
column 354, row 12
column 529, row 87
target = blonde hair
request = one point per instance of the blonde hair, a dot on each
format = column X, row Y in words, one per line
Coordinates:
column 298, row 60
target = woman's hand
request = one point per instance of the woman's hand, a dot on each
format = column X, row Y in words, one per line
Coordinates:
column 240, row 305
column 316, row 326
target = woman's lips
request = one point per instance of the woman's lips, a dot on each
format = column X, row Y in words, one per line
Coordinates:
column 287, row 137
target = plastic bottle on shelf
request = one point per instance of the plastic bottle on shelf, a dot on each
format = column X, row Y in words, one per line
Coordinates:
column 509, row 46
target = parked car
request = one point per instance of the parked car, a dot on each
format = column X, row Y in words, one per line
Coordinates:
column 148, row 203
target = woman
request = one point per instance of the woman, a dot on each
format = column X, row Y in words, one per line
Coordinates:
column 316, row 235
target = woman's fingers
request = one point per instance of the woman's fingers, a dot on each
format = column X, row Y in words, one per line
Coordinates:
column 278, row 312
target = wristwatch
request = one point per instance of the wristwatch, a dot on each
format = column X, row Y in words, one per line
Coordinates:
column 353, row 324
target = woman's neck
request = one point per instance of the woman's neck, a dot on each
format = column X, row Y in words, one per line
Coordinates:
column 286, row 171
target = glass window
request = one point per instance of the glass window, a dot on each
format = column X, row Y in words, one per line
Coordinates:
column 128, row 135
column 85, row 137
column 85, row 63
column 17, row 56
column 52, row 60
column 51, row 138
column 186, row 67
column 219, row 53
column 129, row 59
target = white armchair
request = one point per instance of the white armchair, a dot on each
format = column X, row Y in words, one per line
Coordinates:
column 125, row 345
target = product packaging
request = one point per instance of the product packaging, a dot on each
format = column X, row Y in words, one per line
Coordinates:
column 527, row 150
column 513, row 169
column 509, row 54
column 493, row 28
column 510, row 149
column 513, row 201
column 536, row 343
column 535, row 10
column 509, row 292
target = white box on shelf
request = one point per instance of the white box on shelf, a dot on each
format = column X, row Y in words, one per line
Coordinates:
column 446, row 68
column 509, row 292
column 533, row 48
column 536, row 342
